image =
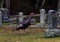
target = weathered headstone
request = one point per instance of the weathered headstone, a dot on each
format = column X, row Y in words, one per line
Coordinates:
column 20, row 16
column 5, row 15
column 52, row 30
column 42, row 17
column 52, row 19
column 0, row 18
column 5, row 12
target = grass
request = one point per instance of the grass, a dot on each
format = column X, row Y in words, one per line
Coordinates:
column 8, row 25
column 34, row 35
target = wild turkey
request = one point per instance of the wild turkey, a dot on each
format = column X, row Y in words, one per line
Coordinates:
column 23, row 25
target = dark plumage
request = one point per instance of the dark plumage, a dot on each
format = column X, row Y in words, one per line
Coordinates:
column 23, row 25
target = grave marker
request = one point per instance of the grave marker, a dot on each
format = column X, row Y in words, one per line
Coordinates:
column 52, row 30
column 52, row 19
column 42, row 17
column 5, row 14
column 20, row 16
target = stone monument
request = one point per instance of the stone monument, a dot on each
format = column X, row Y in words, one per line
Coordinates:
column 20, row 16
column 52, row 19
column 42, row 17
column 5, row 14
column 52, row 30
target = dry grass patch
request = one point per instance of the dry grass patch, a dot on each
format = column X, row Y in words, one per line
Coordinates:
column 32, row 35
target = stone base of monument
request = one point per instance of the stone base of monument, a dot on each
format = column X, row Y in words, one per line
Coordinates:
column 51, row 33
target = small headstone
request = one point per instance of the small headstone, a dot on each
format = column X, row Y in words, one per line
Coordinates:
column 20, row 16
column 42, row 17
column 0, row 18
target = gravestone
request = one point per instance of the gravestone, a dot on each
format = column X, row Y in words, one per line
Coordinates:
column 20, row 16
column 5, row 15
column 52, row 30
column 0, row 18
column 52, row 19
column 42, row 17
column 5, row 12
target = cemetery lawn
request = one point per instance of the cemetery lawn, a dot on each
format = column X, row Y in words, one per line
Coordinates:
column 34, row 35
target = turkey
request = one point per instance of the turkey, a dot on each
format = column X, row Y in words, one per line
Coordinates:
column 23, row 25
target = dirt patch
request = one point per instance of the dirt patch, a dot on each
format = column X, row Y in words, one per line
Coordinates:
column 6, row 28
